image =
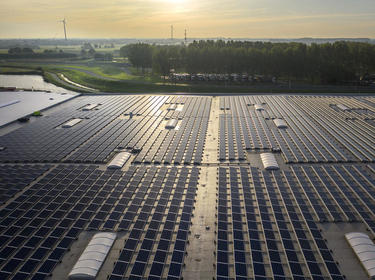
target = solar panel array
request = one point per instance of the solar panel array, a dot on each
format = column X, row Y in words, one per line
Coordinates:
column 14, row 178
column 152, row 205
column 117, row 122
column 267, row 220
column 156, row 244
column 55, row 188
column 318, row 131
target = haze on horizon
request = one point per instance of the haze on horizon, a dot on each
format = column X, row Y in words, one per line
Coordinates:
column 210, row 18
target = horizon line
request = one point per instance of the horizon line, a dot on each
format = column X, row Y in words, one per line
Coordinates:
column 182, row 38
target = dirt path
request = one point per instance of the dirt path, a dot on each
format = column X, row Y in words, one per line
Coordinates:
column 68, row 85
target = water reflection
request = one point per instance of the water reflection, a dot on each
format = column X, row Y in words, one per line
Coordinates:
column 30, row 82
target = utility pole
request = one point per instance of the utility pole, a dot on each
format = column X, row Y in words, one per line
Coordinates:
column 171, row 32
column 185, row 37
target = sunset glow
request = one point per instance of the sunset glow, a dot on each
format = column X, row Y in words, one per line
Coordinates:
column 152, row 18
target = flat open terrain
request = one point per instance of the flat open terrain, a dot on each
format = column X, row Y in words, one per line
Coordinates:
column 119, row 76
column 194, row 200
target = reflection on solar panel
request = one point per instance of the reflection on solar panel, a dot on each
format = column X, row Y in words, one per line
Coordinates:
column 56, row 192
column 100, row 132
column 315, row 133
column 71, row 123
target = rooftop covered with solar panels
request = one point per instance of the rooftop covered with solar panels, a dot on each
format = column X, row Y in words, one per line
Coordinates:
column 190, row 187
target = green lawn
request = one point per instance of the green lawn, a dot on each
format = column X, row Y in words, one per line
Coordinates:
column 19, row 70
column 111, row 77
column 108, row 71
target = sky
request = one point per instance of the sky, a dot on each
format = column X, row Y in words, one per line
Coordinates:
column 201, row 18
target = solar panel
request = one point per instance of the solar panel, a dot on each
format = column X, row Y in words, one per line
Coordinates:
column 138, row 268
column 156, row 269
column 177, row 257
column 147, row 244
column 120, row 267
column 277, row 268
column 222, row 269
column 239, row 257
column 314, row 268
column 259, row 269
column 131, row 244
column 29, row 266
column 241, row 269
column 180, row 245
column 160, row 255
column 47, row 266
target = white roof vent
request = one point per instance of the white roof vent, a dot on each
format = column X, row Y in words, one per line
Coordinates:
column 280, row 123
column 342, row 107
column 269, row 161
column 71, row 123
column 172, row 107
column 91, row 260
column 171, row 124
column 364, row 248
column 258, row 107
column 90, row 107
column 119, row 160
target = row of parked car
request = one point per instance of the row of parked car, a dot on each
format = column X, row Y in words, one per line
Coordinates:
column 180, row 77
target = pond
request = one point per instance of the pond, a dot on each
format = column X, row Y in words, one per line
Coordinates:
column 30, row 82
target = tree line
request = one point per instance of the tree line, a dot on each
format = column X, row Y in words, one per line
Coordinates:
column 318, row 63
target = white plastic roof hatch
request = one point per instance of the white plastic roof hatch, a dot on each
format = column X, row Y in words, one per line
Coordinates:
column 119, row 160
column 269, row 161
column 280, row 123
column 90, row 107
column 93, row 257
column 71, row 123
column 258, row 107
column 171, row 124
column 364, row 248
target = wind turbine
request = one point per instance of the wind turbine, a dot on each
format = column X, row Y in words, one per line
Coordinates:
column 64, row 23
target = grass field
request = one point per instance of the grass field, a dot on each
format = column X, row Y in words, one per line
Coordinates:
column 115, row 77
column 12, row 70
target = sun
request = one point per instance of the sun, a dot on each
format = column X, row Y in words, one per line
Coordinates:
column 176, row 1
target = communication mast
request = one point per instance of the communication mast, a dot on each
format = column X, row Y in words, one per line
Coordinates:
column 185, row 37
column 171, row 32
